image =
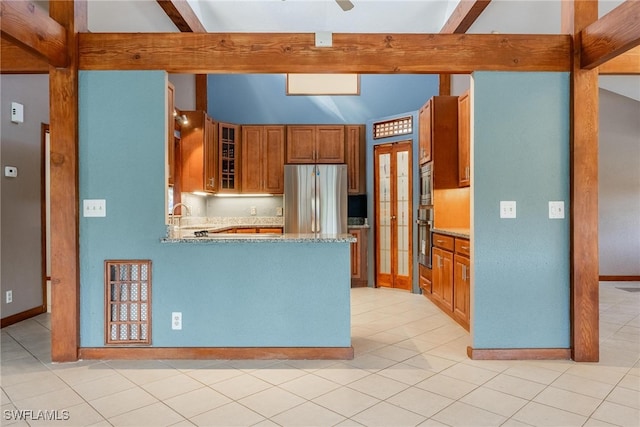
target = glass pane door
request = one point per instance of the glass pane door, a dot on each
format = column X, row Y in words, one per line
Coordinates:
column 393, row 215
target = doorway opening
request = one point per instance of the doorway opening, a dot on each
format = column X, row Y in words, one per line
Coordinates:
column 393, row 189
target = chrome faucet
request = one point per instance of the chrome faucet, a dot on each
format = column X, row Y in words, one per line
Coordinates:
column 173, row 213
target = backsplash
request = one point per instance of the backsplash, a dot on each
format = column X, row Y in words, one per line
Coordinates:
column 191, row 221
column 212, row 206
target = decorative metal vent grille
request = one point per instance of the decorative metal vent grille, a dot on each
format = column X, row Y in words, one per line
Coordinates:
column 128, row 302
column 401, row 126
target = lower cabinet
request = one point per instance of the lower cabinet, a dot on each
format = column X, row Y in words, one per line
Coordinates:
column 461, row 295
column 359, row 258
column 449, row 284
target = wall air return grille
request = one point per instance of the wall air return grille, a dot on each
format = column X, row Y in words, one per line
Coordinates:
column 127, row 302
column 395, row 127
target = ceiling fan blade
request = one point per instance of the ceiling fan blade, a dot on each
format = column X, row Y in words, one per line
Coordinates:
column 345, row 4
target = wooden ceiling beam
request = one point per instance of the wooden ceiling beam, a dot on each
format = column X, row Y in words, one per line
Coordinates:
column 182, row 16
column 611, row 35
column 16, row 60
column 626, row 64
column 31, row 28
column 464, row 15
column 296, row 53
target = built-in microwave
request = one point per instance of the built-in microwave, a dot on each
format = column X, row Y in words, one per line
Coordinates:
column 426, row 184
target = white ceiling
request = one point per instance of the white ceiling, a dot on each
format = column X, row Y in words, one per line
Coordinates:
column 367, row 16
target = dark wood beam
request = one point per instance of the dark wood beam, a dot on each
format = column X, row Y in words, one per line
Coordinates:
column 585, row 344
column 444, row 84
column 627, row 63
column 65, row 258
column 29, row 27
column 611, row 35
column 201, row 92
column 464, row 15
column 461, row 19
column 182, row 16
column 16, row 60
column 296, row 53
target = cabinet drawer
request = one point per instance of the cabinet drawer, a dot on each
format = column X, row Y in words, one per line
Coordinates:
column 442, row 241
column 463, row 247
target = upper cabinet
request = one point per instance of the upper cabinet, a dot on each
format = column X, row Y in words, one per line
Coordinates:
column 424, row 133
column 438, row 134
column 315, row 144
column 198, row 153
column 263, row 159
column 171, row 123
column 356, row 171
column 464, row 140
column 229, row 153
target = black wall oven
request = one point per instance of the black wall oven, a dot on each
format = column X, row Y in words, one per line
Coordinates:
column 425, row 223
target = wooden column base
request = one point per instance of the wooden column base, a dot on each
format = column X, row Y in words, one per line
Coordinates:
column 254, row 353
column 519, row 353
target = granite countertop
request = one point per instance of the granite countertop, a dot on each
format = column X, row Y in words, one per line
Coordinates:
column 455, row 232
column 263, row 238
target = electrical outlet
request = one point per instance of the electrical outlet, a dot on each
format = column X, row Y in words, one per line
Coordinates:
column 507, row 209
column 279, row 211
column 176, row 320
column 9, row 297
column 253, row 210
column 556, row 210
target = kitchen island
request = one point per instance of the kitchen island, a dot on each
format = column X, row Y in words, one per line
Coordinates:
column 248, row 296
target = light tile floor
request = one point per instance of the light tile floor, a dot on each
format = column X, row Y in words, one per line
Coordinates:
column 410, row 369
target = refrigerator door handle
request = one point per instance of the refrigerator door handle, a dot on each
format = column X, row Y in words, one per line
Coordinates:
column 318, row 199
column 314, row 201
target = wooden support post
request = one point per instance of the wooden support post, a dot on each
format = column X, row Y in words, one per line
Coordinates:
column 585, row 345
column 63, row 115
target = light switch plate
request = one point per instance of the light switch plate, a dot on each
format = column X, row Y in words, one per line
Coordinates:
column 94, row 208
column 556, row 210
column 507, row 209
column 17, row 112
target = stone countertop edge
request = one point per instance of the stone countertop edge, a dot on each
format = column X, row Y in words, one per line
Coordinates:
column 455, row 232
column 367, row 226
column 257, row 238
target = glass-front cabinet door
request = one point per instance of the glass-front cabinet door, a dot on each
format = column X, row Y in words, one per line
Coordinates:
column 393, row 215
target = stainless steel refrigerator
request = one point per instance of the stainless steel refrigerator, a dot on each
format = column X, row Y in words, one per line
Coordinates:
column 315, row 199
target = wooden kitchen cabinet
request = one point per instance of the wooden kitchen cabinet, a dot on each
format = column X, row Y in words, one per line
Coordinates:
column 464, row 140
column 438, row 139
column 424, row 133
column 198, row 153
column 315, row 144
column 450, row 278
column 359, row 272
column 425, row 279
column 356, row 171
column 462, row 293
column 171, row 124
column 442, row 277
column 263, row 159
column 229, row 154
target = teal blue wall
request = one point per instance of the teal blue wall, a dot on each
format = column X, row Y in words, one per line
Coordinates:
column 262, row 99
column 230, row 294
column 520, row 266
